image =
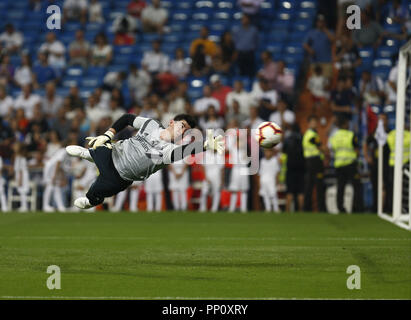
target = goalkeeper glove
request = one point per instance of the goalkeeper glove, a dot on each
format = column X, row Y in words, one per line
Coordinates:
column 102, row 140
column 214, row 143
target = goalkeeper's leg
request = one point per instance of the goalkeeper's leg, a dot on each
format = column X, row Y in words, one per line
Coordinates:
column 79, row 152
column 107, row 184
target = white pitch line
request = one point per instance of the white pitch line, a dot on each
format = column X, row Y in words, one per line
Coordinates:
column 198, row 238
column 173, row 298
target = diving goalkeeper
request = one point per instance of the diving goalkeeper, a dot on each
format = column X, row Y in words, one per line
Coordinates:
column 136, row 158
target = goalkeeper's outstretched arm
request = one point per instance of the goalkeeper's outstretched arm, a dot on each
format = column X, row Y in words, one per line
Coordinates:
column 124, row 121
column 211, row 143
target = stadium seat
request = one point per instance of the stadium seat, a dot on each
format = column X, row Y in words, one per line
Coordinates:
column 124, row 50
column 381, row 62
column 74, row 71
column 96, row 71
column 167, row 4
column 117, row 68
column 94, row 27
column 70, row 81
column 85, row 93
column 123, row 59
column 181, row 15
column 201, row 4
column 15, row 15
column 196, row 26
column 392, row 28
column 267, row 9
column 90, row 82
column 222, row 15
column 182, row 4
column 225, row 5
column 219, row 26
column 178, row 26
column 201, row 16
column 195, row 82
column 169, row 48
column 174, row 37
column 280, row 25
column 386, row 52
column 308, row 4
column 195, row 93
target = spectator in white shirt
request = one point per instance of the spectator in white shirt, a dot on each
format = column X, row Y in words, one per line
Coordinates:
column 55, row 50
column 6, row 103
column 95, row 12
column 283, row 117
column 51, row 102
column 115, row 111
column 79, row 50
column 254, row 120
column 23, row 74
column 101, row 52
column 27, row 101
column 154, row 17
column 239, row 95
column 211, row 120
column 201, row 105
column 179, row 66
column 391, row 85
column 284, row 80
column 139, row 81
column 94, row 112
column 265, row 98
column 11, row 39
column 155, row 61
column 113, row 80
column 75, row 10
column 177, row 101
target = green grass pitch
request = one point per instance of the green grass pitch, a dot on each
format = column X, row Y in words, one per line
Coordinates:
column 192, row 255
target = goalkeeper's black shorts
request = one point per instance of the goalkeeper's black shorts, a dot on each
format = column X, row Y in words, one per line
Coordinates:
column 109, row 182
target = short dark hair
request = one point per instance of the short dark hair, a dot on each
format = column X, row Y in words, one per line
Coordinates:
column 312, row 117
column 342, row 121
column 190, row 119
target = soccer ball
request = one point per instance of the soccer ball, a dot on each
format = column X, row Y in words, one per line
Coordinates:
column 268, row 134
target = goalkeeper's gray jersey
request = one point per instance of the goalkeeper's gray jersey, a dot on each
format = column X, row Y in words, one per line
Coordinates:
column 140, row 156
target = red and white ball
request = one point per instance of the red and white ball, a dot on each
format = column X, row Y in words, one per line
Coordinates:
column 268, row 134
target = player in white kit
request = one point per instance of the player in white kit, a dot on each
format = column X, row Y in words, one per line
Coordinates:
column 84, row 174
column 21, row 175
column 134, row 192
column 3, row 200
column 154, row 191
column 239, row 176
column 179, row 181
column 54, row 179
column 213, row 167
column 136, row 158
column 268, row 172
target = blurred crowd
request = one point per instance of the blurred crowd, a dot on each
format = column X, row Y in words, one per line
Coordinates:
column 37, row 120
